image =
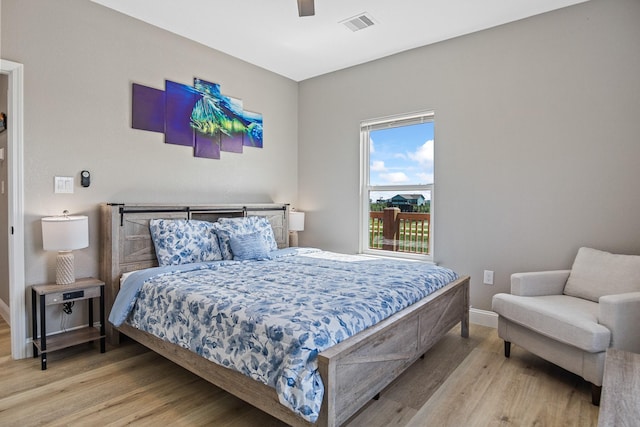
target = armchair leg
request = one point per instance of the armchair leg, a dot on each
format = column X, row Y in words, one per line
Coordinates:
column 596, row 391
column 507, row 349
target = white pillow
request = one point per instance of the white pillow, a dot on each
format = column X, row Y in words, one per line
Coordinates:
column 596, row 273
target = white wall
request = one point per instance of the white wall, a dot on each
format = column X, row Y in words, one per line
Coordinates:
column 537, row 141
column 80, row 60
column 4, row 201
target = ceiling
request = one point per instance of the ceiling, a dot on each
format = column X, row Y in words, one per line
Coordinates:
column 269, row 33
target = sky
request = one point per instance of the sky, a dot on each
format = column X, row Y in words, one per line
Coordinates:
column 401, row 155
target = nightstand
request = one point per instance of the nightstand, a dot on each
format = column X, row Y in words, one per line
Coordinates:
column 52, row 294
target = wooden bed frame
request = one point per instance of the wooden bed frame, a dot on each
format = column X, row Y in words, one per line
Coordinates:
column 353, row 372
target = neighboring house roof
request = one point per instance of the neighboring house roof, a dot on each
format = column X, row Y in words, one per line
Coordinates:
column 408, row 197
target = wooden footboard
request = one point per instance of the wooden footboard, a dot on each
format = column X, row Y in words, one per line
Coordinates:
column 357, row 369
column 353, row 371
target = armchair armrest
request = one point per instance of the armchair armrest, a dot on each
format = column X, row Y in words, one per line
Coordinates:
column 539, row 283
column 621, row 314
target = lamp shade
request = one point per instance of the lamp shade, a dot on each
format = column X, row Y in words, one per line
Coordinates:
column 65, row 233
column 296, row 221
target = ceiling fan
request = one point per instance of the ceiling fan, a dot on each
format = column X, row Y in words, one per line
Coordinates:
column 306, row 8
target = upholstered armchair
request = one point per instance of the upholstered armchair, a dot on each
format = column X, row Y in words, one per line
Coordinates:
column 571, row 317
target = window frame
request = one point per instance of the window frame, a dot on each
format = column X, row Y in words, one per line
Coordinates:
column 366, row 126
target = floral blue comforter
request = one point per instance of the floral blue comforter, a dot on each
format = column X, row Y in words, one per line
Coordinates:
column 270, row 319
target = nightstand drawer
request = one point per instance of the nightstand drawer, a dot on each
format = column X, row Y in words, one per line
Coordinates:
column 71, row 295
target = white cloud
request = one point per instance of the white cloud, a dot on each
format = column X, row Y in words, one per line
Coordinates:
column 394, row 177
column 424, row 154
column 371, row 148
column 378, row 166
column 425, row 178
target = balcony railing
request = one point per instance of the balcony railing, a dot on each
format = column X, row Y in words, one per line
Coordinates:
column 392, row 230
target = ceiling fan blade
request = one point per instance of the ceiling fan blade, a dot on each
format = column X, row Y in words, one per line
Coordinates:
column 306, row 8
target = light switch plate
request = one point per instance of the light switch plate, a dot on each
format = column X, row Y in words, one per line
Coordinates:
column 63, row 184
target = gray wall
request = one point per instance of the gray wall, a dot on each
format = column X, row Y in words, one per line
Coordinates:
column 79, row 62
column 537, row 141
column 536, row 132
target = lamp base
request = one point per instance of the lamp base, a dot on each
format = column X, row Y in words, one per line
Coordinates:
column 293, row 239
column 64, row 268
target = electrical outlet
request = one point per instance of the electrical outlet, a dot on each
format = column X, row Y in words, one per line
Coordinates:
column 488, row 277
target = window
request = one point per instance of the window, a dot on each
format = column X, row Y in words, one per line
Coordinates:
column 397, row 186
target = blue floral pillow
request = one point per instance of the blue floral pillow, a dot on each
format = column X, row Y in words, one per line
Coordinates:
column 181, row 241
column 225, row 228
column 249, row 247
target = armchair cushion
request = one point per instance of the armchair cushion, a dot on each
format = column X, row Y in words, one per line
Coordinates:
column 597, row 273
column 573, row 321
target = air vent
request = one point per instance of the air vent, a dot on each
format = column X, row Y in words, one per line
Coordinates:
column 359, row 22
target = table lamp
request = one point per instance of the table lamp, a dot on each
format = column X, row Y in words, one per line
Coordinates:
column 64, row 234
column 296, row 223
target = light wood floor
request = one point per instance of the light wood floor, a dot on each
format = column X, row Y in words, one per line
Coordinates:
column 460, row 382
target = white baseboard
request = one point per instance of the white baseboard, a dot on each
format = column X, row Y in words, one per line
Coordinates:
column 4, row 312
column 483, row 317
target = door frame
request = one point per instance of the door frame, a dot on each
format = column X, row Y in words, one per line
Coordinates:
column 15, row 169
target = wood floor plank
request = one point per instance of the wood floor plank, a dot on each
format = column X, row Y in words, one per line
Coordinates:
column 383, row 412
column 76, row 392
column 25, row 374
column 524, row 390
column 138, row 401
column 460, row 382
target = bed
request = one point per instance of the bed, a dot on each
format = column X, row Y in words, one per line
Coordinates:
column 352, row 371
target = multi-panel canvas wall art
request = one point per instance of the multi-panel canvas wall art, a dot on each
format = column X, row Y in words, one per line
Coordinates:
column 198, row 116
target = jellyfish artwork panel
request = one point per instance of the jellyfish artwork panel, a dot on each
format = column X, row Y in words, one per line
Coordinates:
column 199, row 116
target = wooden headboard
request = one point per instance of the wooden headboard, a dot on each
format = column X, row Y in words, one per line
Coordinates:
column 126, row 243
